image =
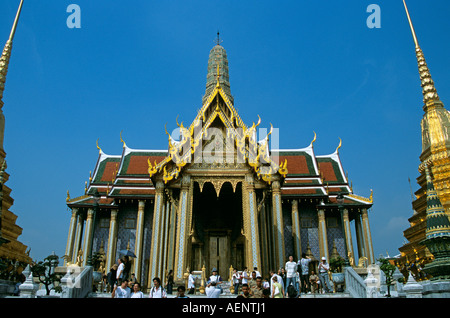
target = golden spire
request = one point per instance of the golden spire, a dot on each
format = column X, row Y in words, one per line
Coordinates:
column 6, row 55
column 428, row 89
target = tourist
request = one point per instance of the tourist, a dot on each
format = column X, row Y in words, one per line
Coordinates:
column 282, row 274
column 291, row 273
column 277, row 289
column 191, row 283
column 121, row 291
column 157, row 291
column 257, row 291
column 258, row 274
column 244, row 276
column 246, row 291
column 265, row 283
column 279, row 280
column 127, row 267
column 236, row 278
column 181, row 290
column 215, row 277
column 252, row 282
column 137, row 291
column 212, row 291
column 266, row 293
column 133, row 278
column 314, row 282
column 323, row 275
column 170, row 282
column 120, row 268
column 304, row 268
column 112, row 278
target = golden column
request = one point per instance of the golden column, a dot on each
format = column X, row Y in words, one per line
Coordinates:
column 112, row 240
column 251, row 227
column 71, row 236
column 367, row 237
column 359, row 237
column 296, row 229
column 278, row 224
column 183, row 230
column 139, row 240
column 155, row 250
column 323, row 241
column 77, row 243
column 348, row 234
column 88, row 235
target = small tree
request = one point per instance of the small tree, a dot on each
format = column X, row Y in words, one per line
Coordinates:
column 45, row 272
column 388, row 270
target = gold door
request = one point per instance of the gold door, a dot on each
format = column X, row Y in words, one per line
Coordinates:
column 219, row 256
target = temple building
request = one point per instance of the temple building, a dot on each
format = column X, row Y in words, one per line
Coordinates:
column 435, row 125
column 11, row 249
column 218, row 196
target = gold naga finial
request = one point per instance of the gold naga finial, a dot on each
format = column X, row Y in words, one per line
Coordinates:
column 90, row 176
column 315, row 137
column 121, row 140
column 340, row 145
column 371, row 195
column 85, row 187
column 68, row 196
column 98, row 147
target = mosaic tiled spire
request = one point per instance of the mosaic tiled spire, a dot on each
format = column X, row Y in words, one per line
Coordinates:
column 218, row 65
column 437, row 234
column 6, row 55
column 438, row 223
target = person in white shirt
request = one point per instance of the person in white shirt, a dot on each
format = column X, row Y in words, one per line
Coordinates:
column 122, row 291
column 323, row 275
column 291, row 273
column 119, row 273
column 244, row 276
column 157, row 290
column 236, row 279
column 191, row 283
column 137, row 291
column 304, row 267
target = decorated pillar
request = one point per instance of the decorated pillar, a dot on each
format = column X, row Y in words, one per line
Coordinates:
column 78, row 237
column 348, row 234
column 278, row 224
column 139, row 240
column 88, row 235
column 296, row 229
column 359, row 236
column 112, row 239
column 251, row 227
column 323, row 242
column 71, row 236
column 171, row 236
column 155, row 251
column 367, row 237
column 183, row 229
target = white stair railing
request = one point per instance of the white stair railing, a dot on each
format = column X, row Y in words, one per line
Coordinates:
column 77, row 283
column 354, row 284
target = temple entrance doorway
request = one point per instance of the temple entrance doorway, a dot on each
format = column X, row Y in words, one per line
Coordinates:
column 217, row 228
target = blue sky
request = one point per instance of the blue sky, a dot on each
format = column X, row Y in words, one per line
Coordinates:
column 135, row 65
